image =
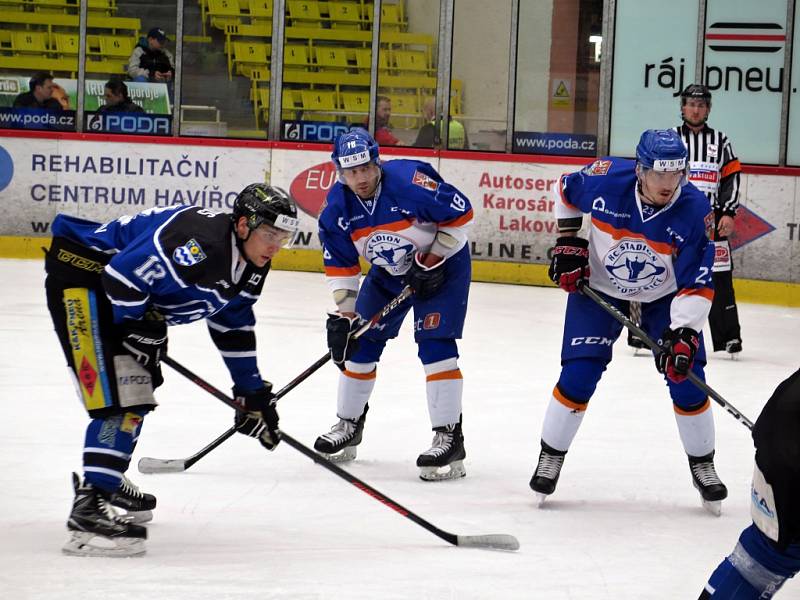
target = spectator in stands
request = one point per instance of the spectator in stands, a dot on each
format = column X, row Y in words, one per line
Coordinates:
column 150, row 60
column 117, row 99
column 40, row 94
column 383, row 112
column 456, row 137
column 61, row 96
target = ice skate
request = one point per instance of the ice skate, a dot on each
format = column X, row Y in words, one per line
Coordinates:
column 339, row 444
column 445, row 458
column 547, row 472
column 138, row 505
column 96, row 529
column 707, row 482
column 733, row 348
column 635, row 343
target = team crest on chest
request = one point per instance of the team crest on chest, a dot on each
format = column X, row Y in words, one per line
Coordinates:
column 189, row 254
column 389, row 250
column 634, row 267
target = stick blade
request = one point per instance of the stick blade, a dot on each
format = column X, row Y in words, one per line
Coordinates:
column 161, row 465
column 494, row 541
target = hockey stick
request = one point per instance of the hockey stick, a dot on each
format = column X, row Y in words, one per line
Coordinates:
column 650, row 343
column 499, row 541
column 178, row 465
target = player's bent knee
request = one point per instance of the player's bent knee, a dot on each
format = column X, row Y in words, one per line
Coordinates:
column 435, row 350
column 579, row 378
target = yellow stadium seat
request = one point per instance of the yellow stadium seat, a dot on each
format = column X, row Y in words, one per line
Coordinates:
column 456, row 97
column 250, row 55
column 223, row 12
column 107, row 7
column 116, row 47
column 295, row 56
column 29, row 42
column 411, row 60
column 331, row 57
column 356, row 102
column 344, row 15
column 391, row 19
column 67, row 44
column 292, row 100
column 318, row 100
column 304, row 13
column 260, row 12
column 404, row 104
column 364, row 59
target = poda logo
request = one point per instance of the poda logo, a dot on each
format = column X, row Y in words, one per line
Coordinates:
column 310, row 187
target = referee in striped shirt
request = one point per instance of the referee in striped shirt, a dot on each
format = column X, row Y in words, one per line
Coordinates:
column 714, row 170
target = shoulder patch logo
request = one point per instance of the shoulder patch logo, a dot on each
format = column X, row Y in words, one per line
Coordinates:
column 598, row 167
column 189, row 254
column 424, row 181
column 708, row 222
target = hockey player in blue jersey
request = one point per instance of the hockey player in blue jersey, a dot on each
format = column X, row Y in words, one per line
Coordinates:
column 768, row 551
column 648, row 241
column 112, row 290
column 412, row 227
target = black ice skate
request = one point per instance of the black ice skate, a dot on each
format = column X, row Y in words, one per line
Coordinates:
column 339, row 444
column 138, row 505
column 733, row 347
column 446, row 452
column 96, row 529
column 545, row 477
column 635, row 343
column 707, row 482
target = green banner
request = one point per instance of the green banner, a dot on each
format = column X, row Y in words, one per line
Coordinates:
column 152, row 97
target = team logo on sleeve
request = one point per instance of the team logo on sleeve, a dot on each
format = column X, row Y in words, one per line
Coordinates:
column 708, row 222
column 598, row 167
column 634, row 267
column 390, row 251
column 189, row 254
column 424, row 181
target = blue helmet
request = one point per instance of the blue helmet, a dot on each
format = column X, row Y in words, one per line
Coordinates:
column 354, row 148
column 661, row 150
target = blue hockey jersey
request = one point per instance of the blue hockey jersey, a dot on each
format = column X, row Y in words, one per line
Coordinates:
column 412, row 203
column 638, row 252
column 183, row 263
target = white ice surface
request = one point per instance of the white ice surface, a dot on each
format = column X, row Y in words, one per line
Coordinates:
column 625, row 521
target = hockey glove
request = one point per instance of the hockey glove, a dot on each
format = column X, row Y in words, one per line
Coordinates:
column 146, row 342
column 570, row 263
column 259, row 417
column 425, row 281
column 677, row 355
column 341, row 342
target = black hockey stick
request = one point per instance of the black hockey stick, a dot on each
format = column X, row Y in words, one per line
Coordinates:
column 498, row 541
column 178, row 465
column 650, row 343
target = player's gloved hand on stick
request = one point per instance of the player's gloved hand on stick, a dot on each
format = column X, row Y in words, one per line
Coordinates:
column 679, row 349
column 341, row 342
column 259, row 419
column 425, row 281
column 570, row 263
column 146, row 342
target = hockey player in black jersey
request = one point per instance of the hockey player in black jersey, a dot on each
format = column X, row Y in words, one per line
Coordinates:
column 112, row 290
column 768, row 551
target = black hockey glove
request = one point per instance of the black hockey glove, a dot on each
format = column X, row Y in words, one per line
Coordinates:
column 259, row 419
column 425, row 281
column 146, row 341
column 341, row 342
column 570, row 263
column 679, row 348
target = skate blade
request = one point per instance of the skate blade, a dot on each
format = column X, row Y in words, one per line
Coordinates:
column 344, row 455
column 137, row 516
column 83, row 543
column 734, row 356
column 540, row 498
column 713, row 506
column 455, row 470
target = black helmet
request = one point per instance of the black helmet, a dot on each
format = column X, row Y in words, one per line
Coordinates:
column 261, row 203
column 698, row 91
